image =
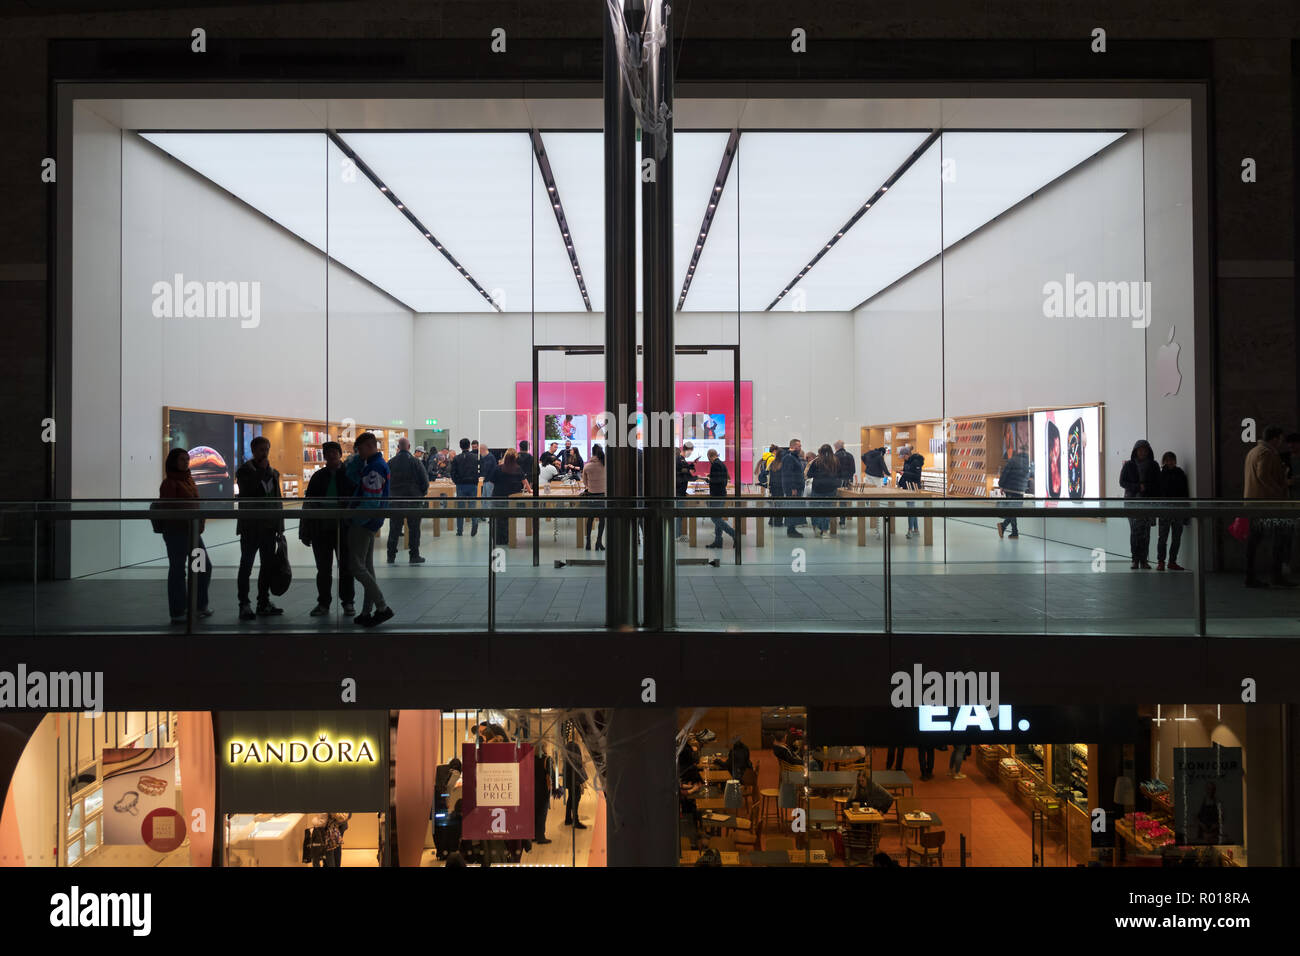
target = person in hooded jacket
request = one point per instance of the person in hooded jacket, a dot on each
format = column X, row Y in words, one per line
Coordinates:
column 1140, row 478
column 910, row 477
column 873, row 466
column 179, row 484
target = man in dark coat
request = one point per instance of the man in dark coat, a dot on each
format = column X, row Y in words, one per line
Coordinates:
column 1013, row 481
column 329, row 487
column 407, row 479
column 464, row 474
column 792, row 482
column 848, row 467
column 258, row 486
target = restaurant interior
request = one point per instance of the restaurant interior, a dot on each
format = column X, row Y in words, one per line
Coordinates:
column 782, row 798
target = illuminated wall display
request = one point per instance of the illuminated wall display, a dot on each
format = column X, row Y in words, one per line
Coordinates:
column 302, row 761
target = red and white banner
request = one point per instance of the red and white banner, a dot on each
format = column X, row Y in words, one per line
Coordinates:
column 497, row 788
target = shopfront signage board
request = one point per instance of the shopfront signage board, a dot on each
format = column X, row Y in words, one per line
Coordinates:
column 302, row 761
column 498, row 792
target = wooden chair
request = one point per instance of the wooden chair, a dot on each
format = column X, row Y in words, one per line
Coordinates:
column 930, row 850
column 768, row 805
column 749, row 783
column 748, row 839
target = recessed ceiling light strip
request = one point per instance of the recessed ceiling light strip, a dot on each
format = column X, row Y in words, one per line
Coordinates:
column 557, row 207
column 861, row 211
column 711, row 207
column 411, row 217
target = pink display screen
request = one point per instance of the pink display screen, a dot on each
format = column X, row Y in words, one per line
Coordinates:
column 571, row 410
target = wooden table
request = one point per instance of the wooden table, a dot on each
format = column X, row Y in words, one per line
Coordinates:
column 891, row 493
column 919, row 826
column 565, row 493
column 711, row 803
column 712, row 775
column 893, row 780
column 742, row 521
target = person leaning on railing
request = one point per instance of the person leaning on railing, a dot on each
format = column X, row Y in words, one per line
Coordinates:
column 179, row 492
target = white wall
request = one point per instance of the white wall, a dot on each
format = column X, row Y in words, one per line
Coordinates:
column 174, row 221
column 801, row 365
column 1171, row 419
column 991, row 350
column 95, row 432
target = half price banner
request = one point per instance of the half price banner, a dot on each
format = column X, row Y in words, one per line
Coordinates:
column 497, row 801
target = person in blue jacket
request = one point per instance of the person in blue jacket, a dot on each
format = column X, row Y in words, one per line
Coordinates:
column 369, row 472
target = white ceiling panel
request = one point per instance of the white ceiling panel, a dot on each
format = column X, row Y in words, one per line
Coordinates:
column 898, row 233
column 988, row 173
column 578, row 165
column 697, row 158
column 796, row 190
column 473, row 191
column 370, row 236
column 482, row 196
column 282, row 175
column 554, row 287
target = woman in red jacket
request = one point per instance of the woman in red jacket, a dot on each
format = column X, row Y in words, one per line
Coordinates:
column 177, row 487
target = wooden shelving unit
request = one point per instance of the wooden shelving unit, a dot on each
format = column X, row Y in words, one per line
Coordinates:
column 296, row 444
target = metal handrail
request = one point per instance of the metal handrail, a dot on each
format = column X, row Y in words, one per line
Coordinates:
column 576, row 506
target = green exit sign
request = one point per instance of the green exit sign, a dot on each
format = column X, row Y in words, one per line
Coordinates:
column 398, row 422
column 431, row 421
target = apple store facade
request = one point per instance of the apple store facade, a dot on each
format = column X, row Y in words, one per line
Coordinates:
column 1011, row 271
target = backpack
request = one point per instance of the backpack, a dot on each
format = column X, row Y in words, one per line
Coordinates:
column 762, row 472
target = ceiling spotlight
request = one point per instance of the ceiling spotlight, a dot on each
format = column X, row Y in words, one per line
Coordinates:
column 400, row 206
column 427, row 236
column 551, row 188
column 839, row 235
column 717, row 189
column 884, row 189
column 383, row 189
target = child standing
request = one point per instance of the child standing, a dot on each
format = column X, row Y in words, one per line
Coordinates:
column 1173, row 484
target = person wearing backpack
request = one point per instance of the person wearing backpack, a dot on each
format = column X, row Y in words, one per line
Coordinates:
column 368, row 472
column 1014, row 481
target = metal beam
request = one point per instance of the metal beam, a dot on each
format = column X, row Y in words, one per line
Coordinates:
column 660, row 589
column 620, row 329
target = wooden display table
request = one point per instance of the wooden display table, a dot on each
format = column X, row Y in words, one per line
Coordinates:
column 904, row 494
column 741, row 521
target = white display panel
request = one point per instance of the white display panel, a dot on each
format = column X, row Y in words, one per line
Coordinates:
column 1067, row 453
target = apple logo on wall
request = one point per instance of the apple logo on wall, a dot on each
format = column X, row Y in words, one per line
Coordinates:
column 1168, row 378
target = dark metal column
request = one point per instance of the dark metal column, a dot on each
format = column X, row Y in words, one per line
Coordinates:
column 657, row 323
column 620, row 330
column 641, row 787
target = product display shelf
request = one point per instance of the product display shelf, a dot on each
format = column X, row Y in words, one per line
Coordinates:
column 967, row 459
